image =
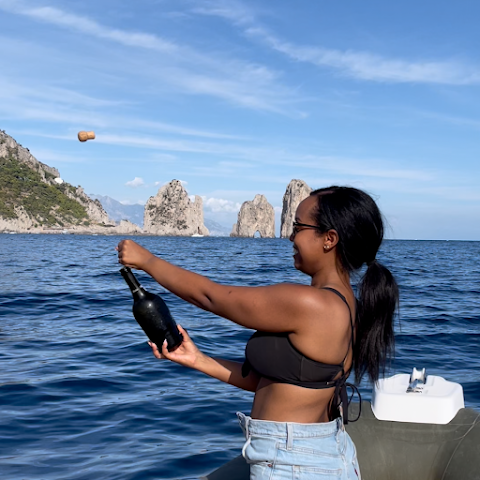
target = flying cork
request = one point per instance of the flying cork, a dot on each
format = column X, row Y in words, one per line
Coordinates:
column 84, row 136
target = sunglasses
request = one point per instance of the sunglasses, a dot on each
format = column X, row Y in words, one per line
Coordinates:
column 305, row 225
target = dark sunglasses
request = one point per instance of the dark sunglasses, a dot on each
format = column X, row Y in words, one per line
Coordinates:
column 298, row 224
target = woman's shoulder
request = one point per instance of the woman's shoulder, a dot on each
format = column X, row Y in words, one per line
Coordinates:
column 329, row 308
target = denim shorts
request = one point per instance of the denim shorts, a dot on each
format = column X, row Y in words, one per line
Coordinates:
column 298, row 451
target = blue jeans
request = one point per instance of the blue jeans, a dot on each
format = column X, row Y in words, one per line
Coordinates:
column 298, row 451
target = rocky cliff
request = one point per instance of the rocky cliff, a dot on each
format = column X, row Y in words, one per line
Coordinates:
column 34, row 199
column 10, row 148
column 297, row 190
column 255, row 216
column 171, row 212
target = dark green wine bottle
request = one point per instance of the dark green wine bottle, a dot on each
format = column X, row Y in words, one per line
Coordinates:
column 152, row 314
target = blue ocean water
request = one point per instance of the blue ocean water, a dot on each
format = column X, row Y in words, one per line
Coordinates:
column 82, row 397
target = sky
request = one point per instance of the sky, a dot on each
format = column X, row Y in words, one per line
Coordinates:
column 237, row 98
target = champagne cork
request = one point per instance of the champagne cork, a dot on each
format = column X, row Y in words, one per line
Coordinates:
column 84, row 136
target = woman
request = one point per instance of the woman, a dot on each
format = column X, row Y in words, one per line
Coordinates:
column 308, row 336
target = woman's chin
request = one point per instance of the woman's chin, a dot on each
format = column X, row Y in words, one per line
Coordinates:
column 297, row 263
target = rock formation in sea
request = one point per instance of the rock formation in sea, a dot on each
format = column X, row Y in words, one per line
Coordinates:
column 35, row 199
column 119, row 211
column 255, row 216
column 126, row 227
column 171, row 212
column 297, row 190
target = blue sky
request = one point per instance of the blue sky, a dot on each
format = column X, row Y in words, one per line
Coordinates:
column 236, row 98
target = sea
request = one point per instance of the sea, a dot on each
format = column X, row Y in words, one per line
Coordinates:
column 83, row 398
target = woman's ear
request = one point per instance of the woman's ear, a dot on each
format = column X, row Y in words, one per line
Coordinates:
column 331, row 239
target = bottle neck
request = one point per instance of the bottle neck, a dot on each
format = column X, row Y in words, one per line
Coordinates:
column 137, row 290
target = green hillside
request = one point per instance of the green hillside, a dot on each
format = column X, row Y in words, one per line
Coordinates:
column 46, row 203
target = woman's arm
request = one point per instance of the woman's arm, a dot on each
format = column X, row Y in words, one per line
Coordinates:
column 188, row 355
column 281, row 308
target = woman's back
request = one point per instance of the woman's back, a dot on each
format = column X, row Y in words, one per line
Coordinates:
column 301, row 370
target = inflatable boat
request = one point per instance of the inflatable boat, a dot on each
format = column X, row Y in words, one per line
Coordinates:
column 415, row 428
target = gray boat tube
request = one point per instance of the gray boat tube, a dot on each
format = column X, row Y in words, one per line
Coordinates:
column 400, row 450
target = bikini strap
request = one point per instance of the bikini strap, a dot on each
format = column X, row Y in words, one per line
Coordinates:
column 340, row 395
column 342, row 297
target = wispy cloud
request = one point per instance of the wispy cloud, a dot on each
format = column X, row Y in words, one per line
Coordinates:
column 88, row 26
column 69, row 107
column 363, row 167
column 232, row 10
column 373, row 67
column 55, row 157
column 252, row 87
column 350, row 63
column 49, row 94
column 448, row 118
column 245, row 158
column 445, row 190
column 183, row 67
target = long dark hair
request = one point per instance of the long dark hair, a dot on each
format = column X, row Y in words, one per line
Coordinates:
column 355, row 216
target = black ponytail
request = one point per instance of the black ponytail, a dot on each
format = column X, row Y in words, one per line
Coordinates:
column 377, row 302
column 355, row 216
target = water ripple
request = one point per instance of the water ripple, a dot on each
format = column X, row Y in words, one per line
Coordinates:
column 81, row 396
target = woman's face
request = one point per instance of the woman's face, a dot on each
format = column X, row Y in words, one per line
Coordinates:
column 307, row 241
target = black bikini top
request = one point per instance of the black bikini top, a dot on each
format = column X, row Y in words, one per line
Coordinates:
column 273, row 356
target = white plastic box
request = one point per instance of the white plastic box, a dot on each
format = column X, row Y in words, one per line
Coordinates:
column 434, row 401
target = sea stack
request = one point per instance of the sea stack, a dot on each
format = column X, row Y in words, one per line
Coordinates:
column 255, row 216
column 172, row 213
column 297, row 190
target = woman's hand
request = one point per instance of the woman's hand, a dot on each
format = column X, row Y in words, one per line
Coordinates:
column 131, row 254
column 187, row 354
